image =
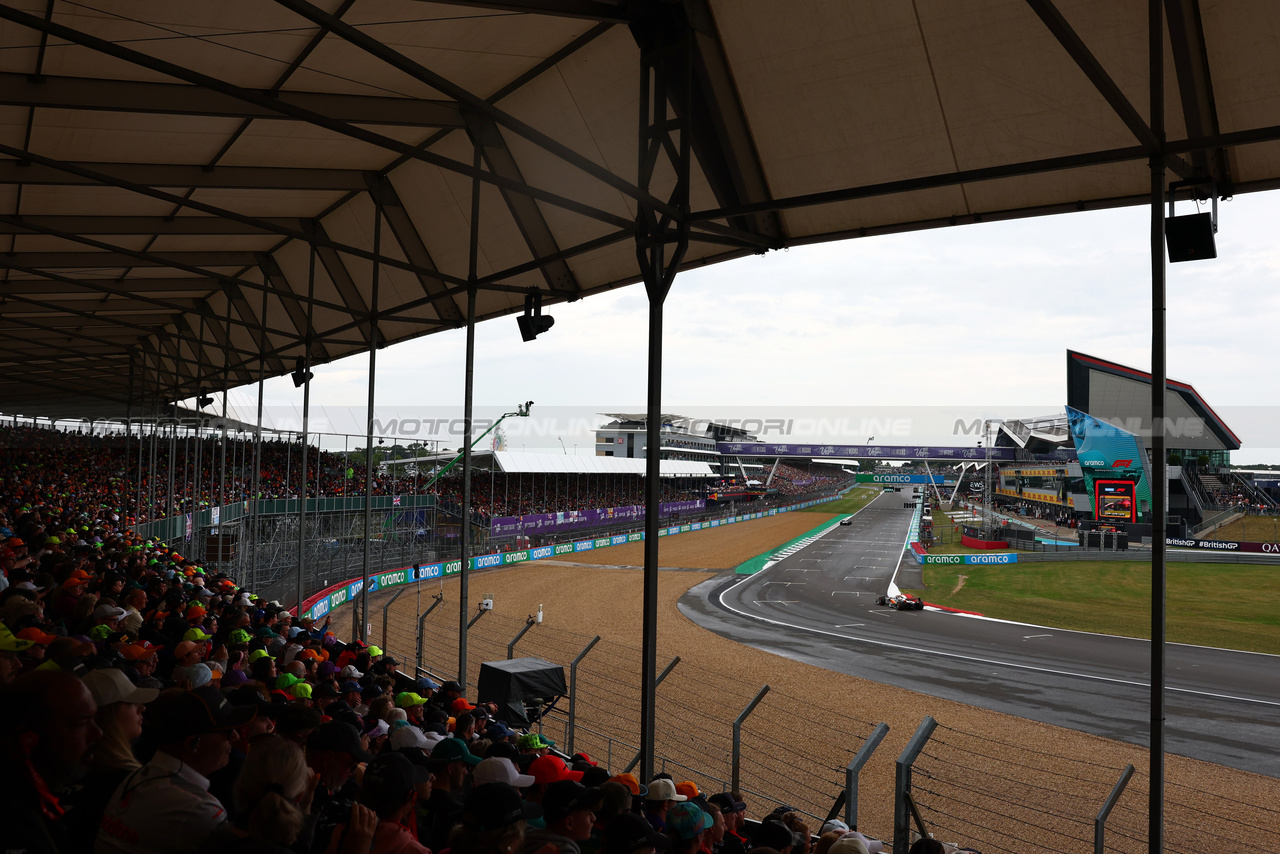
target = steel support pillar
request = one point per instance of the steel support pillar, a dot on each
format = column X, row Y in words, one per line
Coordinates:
column 369, row 462
column 666, row 44
column 1159, row 455
column 306, row 417
column 257, row 439
column 468, row 383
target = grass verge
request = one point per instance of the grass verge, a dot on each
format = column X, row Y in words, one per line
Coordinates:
column 852, row 503
column 1235, row 606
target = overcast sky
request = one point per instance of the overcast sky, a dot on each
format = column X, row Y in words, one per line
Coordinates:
column 974, row 319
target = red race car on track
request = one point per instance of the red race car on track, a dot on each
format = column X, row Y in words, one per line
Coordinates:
column 902, row 602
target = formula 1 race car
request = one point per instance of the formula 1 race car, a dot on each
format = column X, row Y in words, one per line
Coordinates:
column 902, row 602
column 847, row 520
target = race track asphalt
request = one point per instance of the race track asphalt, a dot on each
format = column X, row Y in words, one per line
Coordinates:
column 818, row 606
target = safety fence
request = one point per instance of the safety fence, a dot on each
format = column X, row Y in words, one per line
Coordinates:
column 712, row 728
column 996, row 795
column 981, row 789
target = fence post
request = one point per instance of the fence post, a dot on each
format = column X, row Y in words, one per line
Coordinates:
column 854, row 768
column 736, row 766
column 902, row 785
column 1100, row 823
column 511, row 647
column 386, row 608
column 573, row 694
column 422, row 621
column 635, row 760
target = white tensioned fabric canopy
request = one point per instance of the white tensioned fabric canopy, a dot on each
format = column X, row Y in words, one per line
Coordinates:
column 524, row 462
column 188, row 190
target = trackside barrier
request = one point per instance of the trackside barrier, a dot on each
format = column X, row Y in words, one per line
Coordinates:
column 571, row 726
column 422, row 621
column 529, row 623
column 666, row 671
column 386, row 608
column 902, row 804
column 736, row 764
column 1100, row 823
column 321, row 603
column 854, row 769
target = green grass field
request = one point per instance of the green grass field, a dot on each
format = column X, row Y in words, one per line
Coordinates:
column 852, row 503
column 1250, row 529
column 1236, row 606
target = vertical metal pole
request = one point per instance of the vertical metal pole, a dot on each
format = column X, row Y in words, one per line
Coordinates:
column 1100, row 822
column 257, row 436
column 573, row 695
column 902, row 785
column 368, row 454
column 464, row 515
column 661, row 242
column 736, row 761
column 306, row 416
column 128, row 435
column 1159, row 461
column 854, row 768
column 222, row 477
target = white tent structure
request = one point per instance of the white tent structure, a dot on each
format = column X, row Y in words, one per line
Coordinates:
column 197, row 195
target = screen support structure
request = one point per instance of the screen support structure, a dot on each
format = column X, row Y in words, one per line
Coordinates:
column 666, row 51
column 1159, row 456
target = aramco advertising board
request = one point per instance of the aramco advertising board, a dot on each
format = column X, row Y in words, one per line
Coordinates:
column 1110, row 458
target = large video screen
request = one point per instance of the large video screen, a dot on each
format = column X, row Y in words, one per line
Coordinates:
column 1115, row 501
column 1107, row 453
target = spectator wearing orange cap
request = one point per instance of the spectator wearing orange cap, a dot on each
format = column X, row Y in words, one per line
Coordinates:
column 40, row 641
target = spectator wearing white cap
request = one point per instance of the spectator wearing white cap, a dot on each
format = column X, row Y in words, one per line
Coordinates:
column 165, row 807
column 120, row 706
column 661, row 797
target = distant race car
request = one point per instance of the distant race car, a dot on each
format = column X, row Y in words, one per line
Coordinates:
column 847, row 520
column 902, row 602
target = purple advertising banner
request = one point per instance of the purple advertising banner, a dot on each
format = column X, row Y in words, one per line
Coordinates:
column 970, row 453
column 573, row 520
column 1222, row 545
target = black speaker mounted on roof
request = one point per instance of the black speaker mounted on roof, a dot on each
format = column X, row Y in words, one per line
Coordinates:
column 1191, row 237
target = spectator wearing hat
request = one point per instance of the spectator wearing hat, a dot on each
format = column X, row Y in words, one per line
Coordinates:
column 686, row 824
column 165, row 805
column 390, row 789
column 568, row 810
column 628, row 833
column 120, row 706
column 500, row 769
column 797, row 825
column 11, row 650
column 661, row 797
column 734, row 812
column 493, row 821
column 774, row 834
column 140, row 662
column 534, row 743
column 47, row 726
column 334, row 751
column 450, row 761
column 413, row 705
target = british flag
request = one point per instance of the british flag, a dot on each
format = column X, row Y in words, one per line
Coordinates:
column 395, row 501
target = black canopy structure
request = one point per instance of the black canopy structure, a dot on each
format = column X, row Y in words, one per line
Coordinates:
column 197, row 195
column 523, row 688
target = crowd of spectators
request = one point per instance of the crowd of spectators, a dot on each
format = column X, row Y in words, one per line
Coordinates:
column 148, row 706
column 790, row 480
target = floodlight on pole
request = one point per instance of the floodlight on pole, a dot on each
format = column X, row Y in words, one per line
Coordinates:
column 301, row 376
column 533, row 322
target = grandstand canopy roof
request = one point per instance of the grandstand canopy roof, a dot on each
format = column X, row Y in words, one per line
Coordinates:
column 1121, row 395
column 188, row 190
column 527, row 462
